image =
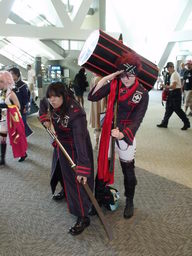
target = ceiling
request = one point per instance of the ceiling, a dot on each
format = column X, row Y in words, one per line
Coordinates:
column 56, row 29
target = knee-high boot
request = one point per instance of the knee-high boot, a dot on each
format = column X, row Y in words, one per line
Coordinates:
column 3, row 152
column 130, row 182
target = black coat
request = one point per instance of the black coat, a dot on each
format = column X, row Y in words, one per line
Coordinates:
column 73, row 134
column 22, row 92
column 131, row 110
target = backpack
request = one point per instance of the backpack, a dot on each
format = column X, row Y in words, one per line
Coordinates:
column 108, row 197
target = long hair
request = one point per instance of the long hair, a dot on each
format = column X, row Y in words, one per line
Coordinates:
column 59, row 89
column 7, row 79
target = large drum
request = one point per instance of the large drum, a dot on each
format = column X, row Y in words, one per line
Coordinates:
column 101, row 51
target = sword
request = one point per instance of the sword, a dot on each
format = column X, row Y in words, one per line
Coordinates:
column 86, row 186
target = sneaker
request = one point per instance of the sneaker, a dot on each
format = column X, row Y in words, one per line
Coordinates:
column 162, row 125
column 185, row 127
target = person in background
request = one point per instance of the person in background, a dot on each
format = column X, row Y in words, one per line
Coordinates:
column 80, row 83
column 173, row 103
column 31, row 79
column 132, row 100
column 69, row 122
column 23, row 94
column 187, row 86
column 10, row 119
column 182, row 72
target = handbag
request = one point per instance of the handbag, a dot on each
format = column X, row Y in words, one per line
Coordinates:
column 164, row 96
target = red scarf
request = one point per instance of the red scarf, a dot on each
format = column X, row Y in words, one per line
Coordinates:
column 16, row 131
column 103, row 163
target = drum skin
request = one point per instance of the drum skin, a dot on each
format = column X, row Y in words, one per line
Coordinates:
column 101, row 51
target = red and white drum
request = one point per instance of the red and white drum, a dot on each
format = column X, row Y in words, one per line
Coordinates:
column 101, row 51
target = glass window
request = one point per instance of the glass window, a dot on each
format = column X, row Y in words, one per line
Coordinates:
column 34, row 12
column 76, row 45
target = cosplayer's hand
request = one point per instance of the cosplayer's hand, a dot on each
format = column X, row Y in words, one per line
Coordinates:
column 115, row 74
column 117, row 134
column 54, row 144
column 47, row 124
column 80, row 178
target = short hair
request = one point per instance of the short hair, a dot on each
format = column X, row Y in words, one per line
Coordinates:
column 15, row 71
column 7, row 78
column 132, row 59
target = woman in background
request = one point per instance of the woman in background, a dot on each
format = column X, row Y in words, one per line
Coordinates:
column 80, row 84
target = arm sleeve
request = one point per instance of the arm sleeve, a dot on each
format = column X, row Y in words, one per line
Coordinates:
column 101, row 93
column 137, row 116
column 25, row 97
column 80, row 133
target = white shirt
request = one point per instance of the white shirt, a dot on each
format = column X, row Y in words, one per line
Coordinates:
column 175, row 77
column 31, row 75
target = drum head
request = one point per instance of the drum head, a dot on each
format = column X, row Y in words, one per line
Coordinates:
column 89, row 47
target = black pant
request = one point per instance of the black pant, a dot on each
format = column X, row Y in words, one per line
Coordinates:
column 130, row 180
column 174, row 105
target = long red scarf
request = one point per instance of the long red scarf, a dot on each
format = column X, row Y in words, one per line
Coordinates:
column 103, row 163
column 16, row 131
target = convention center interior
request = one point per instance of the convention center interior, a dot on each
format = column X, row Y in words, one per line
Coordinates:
column 95, row 127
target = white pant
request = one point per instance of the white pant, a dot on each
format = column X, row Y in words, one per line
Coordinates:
column 126, row 152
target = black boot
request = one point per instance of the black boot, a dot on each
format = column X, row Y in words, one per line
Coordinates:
column 59, row 196
column 80, row 225
column 129, row 208
column 3, row 152
column 130, row 182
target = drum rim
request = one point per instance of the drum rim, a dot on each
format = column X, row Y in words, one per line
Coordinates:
column 94, row 35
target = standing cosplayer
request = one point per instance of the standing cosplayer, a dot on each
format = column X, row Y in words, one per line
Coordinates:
column 10, row 119
column 70, row 125
column 132, row 100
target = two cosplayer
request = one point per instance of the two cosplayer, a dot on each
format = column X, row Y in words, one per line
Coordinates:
column 60, row 112
column 11, row 122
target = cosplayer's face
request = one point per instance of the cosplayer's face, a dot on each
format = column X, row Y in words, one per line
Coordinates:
column 127, row 79
column 55, row 101
column 2, row 83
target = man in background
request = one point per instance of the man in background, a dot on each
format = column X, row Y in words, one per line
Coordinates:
column 187, row 86
column 173, row 103
column 31, row 78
